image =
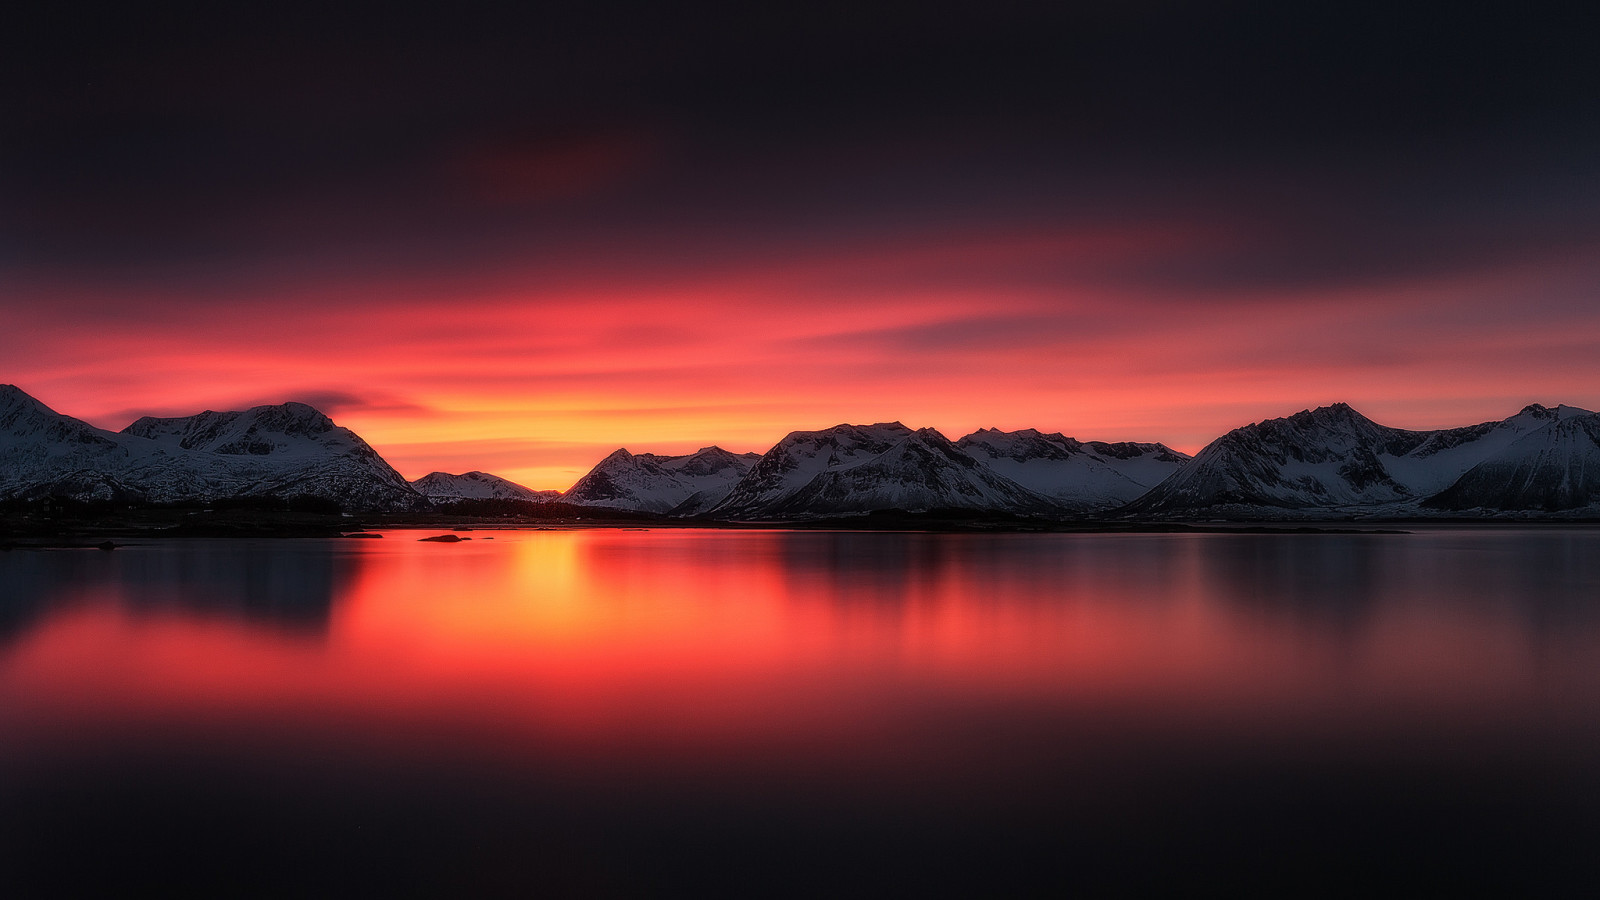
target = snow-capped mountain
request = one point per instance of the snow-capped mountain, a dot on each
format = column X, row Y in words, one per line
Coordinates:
column 287, row 450
column 862, row 468
column 283, row 450
column 43, row 453
column 1327, row 461
column 1078, row 475
column 647, row 482
column 1330, row 458
column 793, row 462
column 1556, row 467
column 442, row 487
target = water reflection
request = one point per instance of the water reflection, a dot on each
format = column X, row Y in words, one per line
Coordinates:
column 964, row 705
column 287, row 584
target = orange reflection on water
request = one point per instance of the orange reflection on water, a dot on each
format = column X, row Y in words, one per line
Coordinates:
column 763, row 648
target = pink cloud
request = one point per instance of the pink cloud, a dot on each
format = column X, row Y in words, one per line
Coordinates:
column 536, row 372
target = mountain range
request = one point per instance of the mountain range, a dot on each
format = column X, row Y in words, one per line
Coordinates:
column 669, row 485
column 286, row 451
column 1330, row 462
column 1333, row 460
column 444, row 488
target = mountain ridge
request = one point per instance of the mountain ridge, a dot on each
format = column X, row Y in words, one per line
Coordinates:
column 1333, row 458
column 443, row 487
column 282, row 451
column 649, row 482
column 1325, row 462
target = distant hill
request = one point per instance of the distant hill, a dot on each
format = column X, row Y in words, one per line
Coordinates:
column 442, row 487
column 646, row 482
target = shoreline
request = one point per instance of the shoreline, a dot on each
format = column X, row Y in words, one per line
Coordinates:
column 133, row 525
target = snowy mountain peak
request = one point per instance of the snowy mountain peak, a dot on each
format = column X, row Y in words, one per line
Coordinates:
column 1563, row 411
column 1128, row 450
column 849, row 470
column 291, row 418
column 448, row 488
column 288, row 450
column 35, row 433
column 1328, row 456
column 1334, row 415
column 17, row 405
column 258, row 431
column 1335, row 458
column 1556, row 467
column 1079, row 475
column 848, row 431
column 649, row 482
column 1026, row 443
column 12, row 396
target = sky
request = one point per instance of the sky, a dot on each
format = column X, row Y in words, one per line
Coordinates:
column 514, row 241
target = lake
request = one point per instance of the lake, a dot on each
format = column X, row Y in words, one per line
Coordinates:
column 638, row 712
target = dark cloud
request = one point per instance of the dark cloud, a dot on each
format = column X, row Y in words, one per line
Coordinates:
column 1333, row 143
column 335, row 402
column 952, row 338
column 331, row 402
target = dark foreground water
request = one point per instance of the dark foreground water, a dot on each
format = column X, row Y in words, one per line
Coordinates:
column 630, row 712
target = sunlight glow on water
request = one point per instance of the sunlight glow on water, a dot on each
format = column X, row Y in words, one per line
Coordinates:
column 803, row 671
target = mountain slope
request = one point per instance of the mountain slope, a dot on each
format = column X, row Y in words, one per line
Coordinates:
column 1329, row 458
column 442, row 487
column 850, row 469
column 44, row 453
column 1078, row 475
column 647, row 482
column 801, row 456
column 282, row 450
column 1554, row 468
column 289, row 450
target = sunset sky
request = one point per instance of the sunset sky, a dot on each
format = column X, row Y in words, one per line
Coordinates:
column 515, row 242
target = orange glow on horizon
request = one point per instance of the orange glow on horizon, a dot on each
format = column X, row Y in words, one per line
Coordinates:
column 535, row 373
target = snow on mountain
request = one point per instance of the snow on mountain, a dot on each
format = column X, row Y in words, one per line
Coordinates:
column 1436, row 463
column 1556, row 467
column 442, row 487
column 260, row 431
column 793, row 462
column 1326, row 460
column 288, row 450
column 1330, row 458
column 1080, row 475
column 852, row 469
column 44, row 453
column 647, row 482
column 282, row 450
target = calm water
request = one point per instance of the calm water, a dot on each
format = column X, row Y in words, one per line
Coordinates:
column 633, row 712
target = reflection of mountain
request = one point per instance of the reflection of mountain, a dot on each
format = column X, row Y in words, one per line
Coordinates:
column 281, row 585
